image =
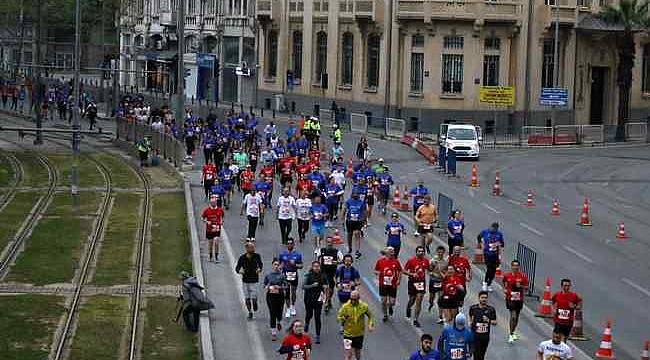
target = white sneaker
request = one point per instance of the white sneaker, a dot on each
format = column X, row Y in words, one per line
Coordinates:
column 293, row 311
column 490, row 288
column 287, row 313
column 511, row 339
column 484, row 287
column 415, row 233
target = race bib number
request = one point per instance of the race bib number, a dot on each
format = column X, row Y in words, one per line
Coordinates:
column 347, row 344
column 209, row 176
column 388, row 280
column 318, row 215
column 354, row 217
column 284, row 211
column 274, row 289
column 394, row 231
column 298, row 355
column 426, row 226
column 328, row 260
column 226, row 177
column 304, row 212
column 457, row 353
column 362, row 197
column 493, row 247
column 437, row 285
column 481, row 327
column 515, row 295
column 215, row 228
column 291, row 275
column 563, row 314
column 419, row 286
column 457, row 229
column 347, row 287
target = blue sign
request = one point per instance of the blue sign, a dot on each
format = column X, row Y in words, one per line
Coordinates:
column 554, row 97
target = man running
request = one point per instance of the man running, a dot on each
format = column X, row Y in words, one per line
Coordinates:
column 303, row 207
column 456, row 340
column 352, row 316
column 333, row 193
column 313, row 286
column 291, row 263
column 318, row 213
column 385, row 182
column 426, row 351
column 461, row 264
column 213, row 218
column 418, row 193
column 565, row 303
column 354, row 213
column 453, row 291
column 297, row 344
column 394, row 230
column 481, row 318
column 347, row 279
column 416, row 270
column 388, row 270
column 514, row 285
column 329, row 258
column 437, row 269
column 426, row 216
column 249, row 266
column 208, row 174
column 554, row 349
column 455, row 228
column 492, row 242
column 286, row 212
column 226, row 176
column 253, row 205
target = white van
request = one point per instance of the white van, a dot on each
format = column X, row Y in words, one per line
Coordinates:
column 464, row 139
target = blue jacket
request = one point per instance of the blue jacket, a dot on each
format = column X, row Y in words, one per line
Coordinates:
column 455, row 341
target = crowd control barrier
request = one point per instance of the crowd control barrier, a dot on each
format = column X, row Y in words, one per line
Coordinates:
column 527, row 258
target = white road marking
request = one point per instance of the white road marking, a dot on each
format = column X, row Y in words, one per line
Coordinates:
column 636, row 286
column 471, row 192
column 608, row 241
column 514, row 202
column 578, row 254
column 490, row 208
column 420, row 171
column 531, row 229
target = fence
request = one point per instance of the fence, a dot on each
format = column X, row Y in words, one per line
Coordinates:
column 537, row 135
column 636, row 131
column 162, row 144
column 395, row 127
column 445, row 207
column 591, row 134
column 566, row 134
column 527, row 258
column 358, row 123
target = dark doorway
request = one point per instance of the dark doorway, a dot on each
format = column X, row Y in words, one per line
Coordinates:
column 597, row 106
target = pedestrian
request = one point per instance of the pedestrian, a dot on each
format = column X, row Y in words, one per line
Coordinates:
column 209, row 173
column 194, row 301
column 318, row 213
column 355, row 217
column 347, row 279
column 285, row 212
column 394, row 230
column 91, row 114
column 144, row 147
column 213, row 218
column 352, row 316
column 491, row 240
column 554, row 349
column 362, row 148
column 481, row 318
column 14, row 98
column 565, row 302
column 462, row 266
column 418, row 193
column 291, row 263
column 426, row 351
column 416, row 270
column 426, row 217
column 329, row 258
column 453, row 291
column 456, row 340
column 297, row 345
column 249, row 266
column 303, row 208
column 514, row 285
column 437, row 270
column 455, row 228
column 388, row 271
column 253, row 204
column 314, row 286
column 276, row 285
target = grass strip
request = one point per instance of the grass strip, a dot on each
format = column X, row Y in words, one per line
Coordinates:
column 35, row 174
column 164, row 339
column 14, row 214
column 170, row 247
column 6, row 171
column 159, row 177
column 62, row 204
column 27, row 323
column 89, row 175
column 101, row 323
column 116, row 256
column 122, row 174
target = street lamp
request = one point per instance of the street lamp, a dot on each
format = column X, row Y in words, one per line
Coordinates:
column 76, row 136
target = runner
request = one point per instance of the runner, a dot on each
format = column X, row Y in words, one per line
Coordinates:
column 394, row 229
column 318, row 213
column 354, row 213
column 347, row 279
column 565, row 302
column 333, row 193
column 418, row 193
column 461, row 263
column 437, row 270
column 453, row 291
column 426, row 216
column 286, row 212
column 416, row 270
column 314, row 286
column 481, row 317
column 296, row 344
column 291, row 263
column 388, row 270
column 514, row 284
column 492, row 241
column 208, row 174
column 385, row 182
column 276, row 286
column 455, row 228
column 426, row 352
column 245, row 181
column 303, row 207
column 249, row 266
column 554, row 349
column 456, row 340
column 352, row 316
column 254, row 207
column 218, row 190
column 225, row 177
column 329, row 258
column 263, row 189
column 213, row 218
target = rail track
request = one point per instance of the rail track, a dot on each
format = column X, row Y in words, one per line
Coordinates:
column 18, row 179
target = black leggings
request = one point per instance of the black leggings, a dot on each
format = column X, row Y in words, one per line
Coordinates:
column 332, row 210
column 207, row 154
column 491, row 270
column 313, row 309
column 252, row 226
column 285, row 229
column 480, row 346
column 303, row 227
column 189, row 145
column 275, row 302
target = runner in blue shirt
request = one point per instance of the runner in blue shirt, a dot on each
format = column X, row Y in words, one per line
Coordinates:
column 361, row 188
column 302, row 145
column 318, row 179
column 492, row 241
column 263, row 187
column 418, row 193
column 385, row 182
column 291, row 262
column 218, row 189
column 318, row 213
column 355, row 216
column 226, row 177
column 347, row 279
column 455, row 342
column 426, row 352
column 455, row 228
column 332, row 194
column 394, row 229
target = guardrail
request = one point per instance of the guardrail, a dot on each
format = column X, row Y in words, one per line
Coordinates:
column 636, row 131
column 527, row 258
column 162, row 144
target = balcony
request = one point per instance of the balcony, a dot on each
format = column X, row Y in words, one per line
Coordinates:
column 358, row 9
column 264, row 9
column 167, row 18
column 321, row 8
column 296, row 9
column 565, row 13
column 487, row 11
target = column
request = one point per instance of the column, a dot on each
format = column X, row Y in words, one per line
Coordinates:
column 307, row 45
column 332, row 47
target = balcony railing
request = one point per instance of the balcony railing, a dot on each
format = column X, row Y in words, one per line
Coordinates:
column 494, row 11
column 358, row 9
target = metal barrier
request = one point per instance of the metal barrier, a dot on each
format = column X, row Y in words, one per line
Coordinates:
column 636, row 131
column 527, row 258
column 566, row 134
column 326, row 114
column 376, row 125
column 395, row 127
column 591, row 134
column 537, row 135
column 358, row 123
column 163, row 144
column 445, row 207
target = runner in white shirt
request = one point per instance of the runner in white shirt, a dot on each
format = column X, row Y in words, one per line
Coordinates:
column 303, row 204
column 339, row 178
column 554, row 349
column 253, row 205
column 286, row 212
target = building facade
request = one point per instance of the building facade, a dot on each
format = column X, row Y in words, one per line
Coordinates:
column 425, row 61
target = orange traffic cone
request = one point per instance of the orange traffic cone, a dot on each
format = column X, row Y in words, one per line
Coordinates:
column 555, row 210
column 396, row 199
column 405, row 199
column 621, row 231
column 577, row 331
column 545, row 309
column 584, row 215
column 350, row 169
column 496, row 188
column 474, row 179
column 605, row 349
column 336, row 239
column 529, row 199
column 478, row 254
column 644, row 352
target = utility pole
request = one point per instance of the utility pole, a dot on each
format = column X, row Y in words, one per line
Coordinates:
column 21, row 19
column 38, row 89
column 76, row 135
column 389, row 48
column 556, row 55
column 180, row 75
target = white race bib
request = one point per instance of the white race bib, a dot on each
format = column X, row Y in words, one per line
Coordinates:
column 347, row 287
column 481, row 327
column 354, row 217
column 274, row 289
column 515, row 295
column 388, row 280
column 209, row 176
column 426, row 226
column 563, row 314
column 493, row 246
column 347, row 344
column 291, row 275
column 419, row 286
column 437, row 285
column 328, row 260
column 394, row 230
column 457, row 353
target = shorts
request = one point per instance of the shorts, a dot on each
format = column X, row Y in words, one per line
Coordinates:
column 432, row 288
column 446, row 302
column 250, row 290
column 514, row 305
column 370, row 200
column 422, row 230
column 355, row 342
column 318, row 229
column 329, row 278
column 351, row 225
column 212, row 234
column 226, row 186
column 388, row 291
column 293, row 283
column 343, row 297
column 563, row 329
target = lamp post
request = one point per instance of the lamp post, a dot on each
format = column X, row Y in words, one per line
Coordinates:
column 180, row 75
column 76, row 135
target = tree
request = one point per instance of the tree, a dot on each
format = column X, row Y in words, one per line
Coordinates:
column 632, row 17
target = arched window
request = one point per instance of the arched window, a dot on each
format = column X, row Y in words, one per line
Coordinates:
column 297, row 54
column 347, row 56
column 373, row 61
column 321, row 56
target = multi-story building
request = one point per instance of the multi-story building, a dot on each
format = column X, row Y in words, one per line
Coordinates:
column 427, row 59
column 219, row 37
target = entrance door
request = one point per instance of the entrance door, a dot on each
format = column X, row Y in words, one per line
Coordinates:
column 597, row 106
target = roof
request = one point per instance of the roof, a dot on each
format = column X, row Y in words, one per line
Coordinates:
column 591, row 22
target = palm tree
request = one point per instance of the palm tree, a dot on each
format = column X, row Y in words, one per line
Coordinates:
column 631, row 16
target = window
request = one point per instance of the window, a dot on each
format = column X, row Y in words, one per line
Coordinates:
column 550, row 2
column 417, row 41
column 248, row 52
column 547, row 63
column 321, row 56
column 417, row 63
column 491, row 70
column 297, row 54
column 452, row 73
column 231, row 50
column 645, row 86
column 373, row 61
column 347, row 58
column 493, row 43
column 453, row 42
column 272, row 62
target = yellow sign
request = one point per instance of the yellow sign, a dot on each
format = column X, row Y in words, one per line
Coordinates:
column 497, row 95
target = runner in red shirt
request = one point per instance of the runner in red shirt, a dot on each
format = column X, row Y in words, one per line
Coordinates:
column 453, row 292
column 297, row 345
column 514, row 285
column 209, row 173
column 246, row 179
column 388, row 270
column 213, row 218
column 314, row 156
column 304, row 168
column 304, row 185
column 286, row 167
column 565, row 302
column 416, row 270
column 462, row 265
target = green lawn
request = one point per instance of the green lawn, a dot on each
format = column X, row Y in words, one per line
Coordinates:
column 35, row 174
column 164, row 339
column 115, row 258
column 161, row 178
column 89, row 175
column 27, row 323
column 62, row 204
column 14, row 214
column 170, row 246
column 6, row 171
column 101, row 322
column 122, row 174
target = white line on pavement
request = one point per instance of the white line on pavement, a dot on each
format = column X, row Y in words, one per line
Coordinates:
column 531, row 229
column 578, row 254
column 513, row 202
column 636, row 286
column 490, row 208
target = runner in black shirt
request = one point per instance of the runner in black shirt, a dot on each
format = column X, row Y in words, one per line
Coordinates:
column 482, row 316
